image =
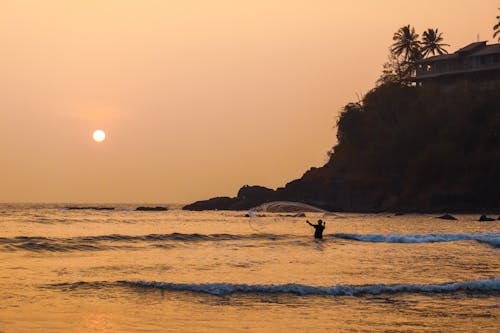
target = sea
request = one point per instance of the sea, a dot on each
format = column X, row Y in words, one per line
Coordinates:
column 121, row 270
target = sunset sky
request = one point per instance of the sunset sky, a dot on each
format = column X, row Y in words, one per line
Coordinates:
column 197, row 97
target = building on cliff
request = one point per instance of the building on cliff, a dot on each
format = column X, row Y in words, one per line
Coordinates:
column 476, row 62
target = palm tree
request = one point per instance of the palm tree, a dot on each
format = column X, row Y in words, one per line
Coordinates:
column 406, row 43
column 431, row 43
column 496, row 28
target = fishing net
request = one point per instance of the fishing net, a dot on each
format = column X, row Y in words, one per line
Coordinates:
column 275, row 211
column 285, row 207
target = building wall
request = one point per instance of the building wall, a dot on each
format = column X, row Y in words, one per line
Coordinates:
column 453, row 67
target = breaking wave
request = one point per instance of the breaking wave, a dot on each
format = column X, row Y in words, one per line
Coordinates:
column 117, row 241
column 480, row 286
column 490, row 238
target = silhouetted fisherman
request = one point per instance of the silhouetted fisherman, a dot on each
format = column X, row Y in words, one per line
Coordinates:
column 318, row 233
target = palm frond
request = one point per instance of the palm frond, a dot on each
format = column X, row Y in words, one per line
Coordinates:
column 431, row 42
column 405, row 42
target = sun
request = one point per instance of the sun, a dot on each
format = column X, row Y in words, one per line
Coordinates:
column 99, row 135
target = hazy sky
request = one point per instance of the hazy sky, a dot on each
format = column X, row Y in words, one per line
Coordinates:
column 197, row 97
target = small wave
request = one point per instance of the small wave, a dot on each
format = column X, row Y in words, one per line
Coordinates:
column 183, row 237
column 39, row 244
column 495, row 242
column 490, row 238
column 57, row 247
column 71, row 286
column 480, row 286
column 95, row 243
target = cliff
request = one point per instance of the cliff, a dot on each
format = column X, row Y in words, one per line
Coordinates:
column 430, row 148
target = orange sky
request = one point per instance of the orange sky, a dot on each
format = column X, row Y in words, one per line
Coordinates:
column 197, row 97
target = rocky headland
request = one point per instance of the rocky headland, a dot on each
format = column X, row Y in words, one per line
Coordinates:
column 432, row 148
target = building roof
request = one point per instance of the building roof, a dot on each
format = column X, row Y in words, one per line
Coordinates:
column 471, row 50
column 440, row 57
column 489, row 49
column 471, row 47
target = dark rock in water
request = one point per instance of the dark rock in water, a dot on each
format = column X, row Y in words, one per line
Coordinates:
column 485, row 218
column 447, row 217
column 88, row 208
column 151, row 209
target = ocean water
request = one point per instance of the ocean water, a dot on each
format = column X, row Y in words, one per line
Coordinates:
column 176, row 271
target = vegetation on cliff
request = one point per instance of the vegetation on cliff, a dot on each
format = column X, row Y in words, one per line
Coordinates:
column 407, row 50
column 496, row 29
column 414, row 148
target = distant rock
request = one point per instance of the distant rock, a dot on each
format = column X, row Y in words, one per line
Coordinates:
column 88, row 208
column 447, row 217
column 218, row 203
column 255, row 193
column 399, row 214
column 484, row 218
column 151, row 209
column 248, row 197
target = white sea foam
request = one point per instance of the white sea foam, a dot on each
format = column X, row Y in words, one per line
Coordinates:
column 490, row 238
column 482, row 286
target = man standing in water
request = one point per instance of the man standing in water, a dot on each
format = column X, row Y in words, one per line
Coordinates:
column 318, row 233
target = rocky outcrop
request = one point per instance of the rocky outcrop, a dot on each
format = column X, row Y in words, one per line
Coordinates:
column 218, row 203
column 484, row 218
column 248, row 197
column 88, row 208
column 403, row 149
column 447, row 217
column 151, row 209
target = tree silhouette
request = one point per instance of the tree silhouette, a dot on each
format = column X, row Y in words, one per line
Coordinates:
column 407, row 50
column 431, row 43
column 406, row 44
column 496, row 28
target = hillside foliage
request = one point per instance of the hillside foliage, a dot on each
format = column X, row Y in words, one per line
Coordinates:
column 415, row 147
